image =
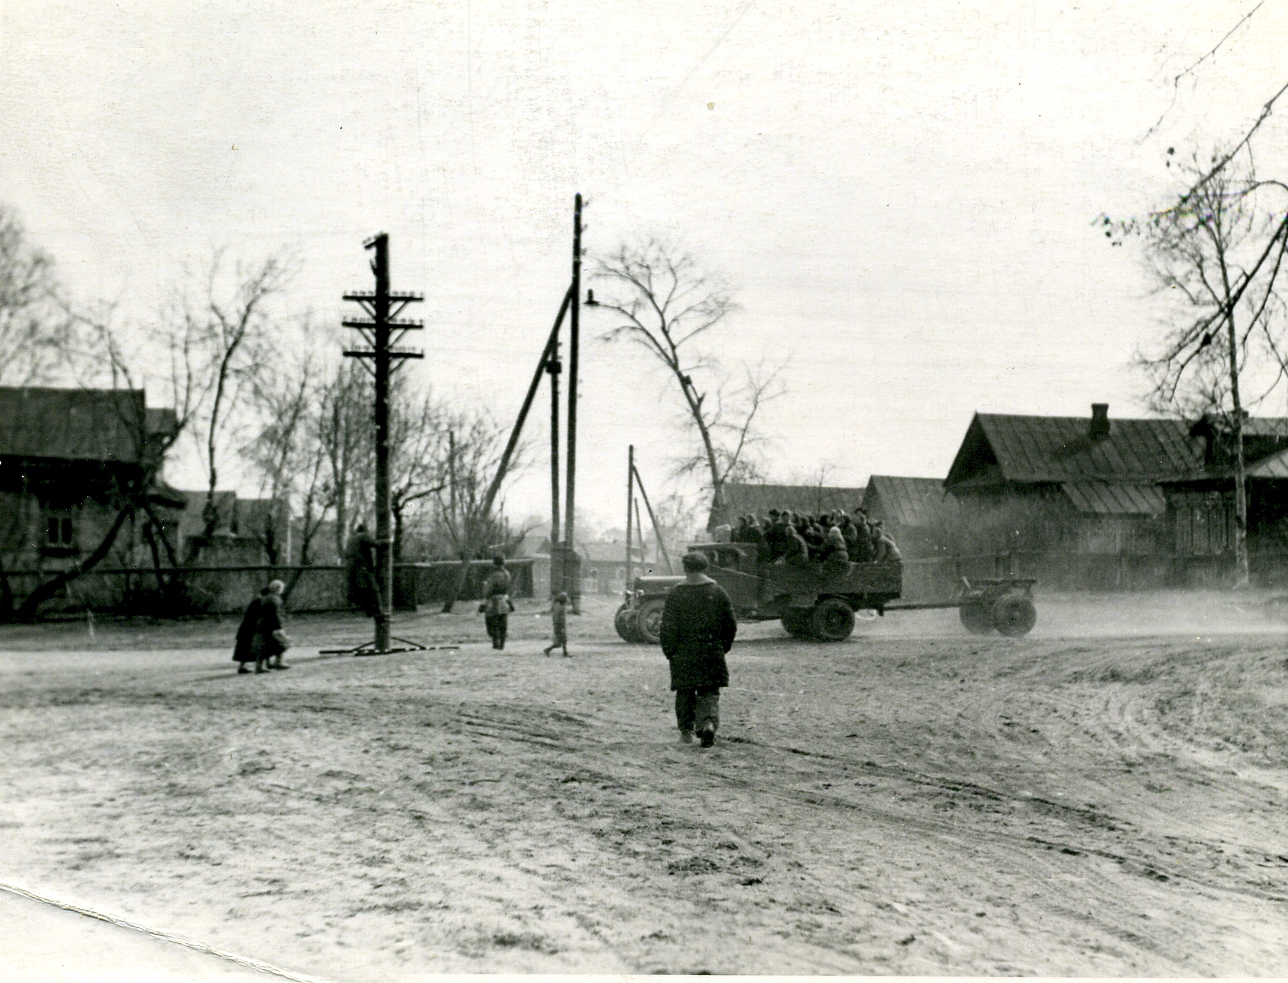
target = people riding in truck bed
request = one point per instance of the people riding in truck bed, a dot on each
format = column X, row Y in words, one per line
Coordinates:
column 832, row 539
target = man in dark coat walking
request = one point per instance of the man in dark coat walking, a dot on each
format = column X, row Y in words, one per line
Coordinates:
column 698, row 628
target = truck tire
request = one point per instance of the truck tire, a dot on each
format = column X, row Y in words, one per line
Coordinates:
column 832, row 620
column 977, row 617
column 1014, row 615
column 796, row 622
column 624, row 622
column 648, row 621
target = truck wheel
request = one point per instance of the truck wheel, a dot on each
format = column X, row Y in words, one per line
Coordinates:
column 648, row 621
column 1014, row 615
column 832, row 620
column 977, row 618
column 796, row 622
column 624, row 622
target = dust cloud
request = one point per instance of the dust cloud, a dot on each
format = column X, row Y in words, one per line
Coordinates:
column 1194, row 613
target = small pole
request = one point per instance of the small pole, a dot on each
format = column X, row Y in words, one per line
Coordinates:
column 639, row 524
column 630, row 494
column 574, row 341
column 656, row 529
column 554, row 368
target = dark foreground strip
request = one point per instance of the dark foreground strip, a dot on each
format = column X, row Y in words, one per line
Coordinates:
column 247, row 961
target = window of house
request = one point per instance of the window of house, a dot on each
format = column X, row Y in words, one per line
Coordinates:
column 59, row 529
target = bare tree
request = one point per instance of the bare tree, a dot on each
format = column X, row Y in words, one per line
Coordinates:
column 668, row 305
column 33, row 325
column 471, row 523
column 677, row 521
column 419, row 445
column 288, row 454
column 346, row 432
column 1216, row 253
column 221, row 321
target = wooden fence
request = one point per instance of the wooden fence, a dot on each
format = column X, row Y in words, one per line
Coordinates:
column 227, row 589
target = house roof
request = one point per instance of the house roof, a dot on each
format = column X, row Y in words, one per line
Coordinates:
column 608, row 552
column 907, row 501
column 743, row 498
column 1115, row 498
column 1000, row 449
column 192, row 522
column 1274, row 466
column 78, row 424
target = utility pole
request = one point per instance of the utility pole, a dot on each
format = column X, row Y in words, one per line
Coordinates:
column 572, row 568
column 378, row 333
column 630, row 495
column 554, row 367
column 657, row 531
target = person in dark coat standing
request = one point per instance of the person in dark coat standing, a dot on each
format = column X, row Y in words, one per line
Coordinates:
column 496, row 606
column 246, row 631
column 698, row 628
column 360, row 564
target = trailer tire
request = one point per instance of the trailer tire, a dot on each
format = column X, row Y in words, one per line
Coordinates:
column 1014, row 615
column 976, row 617
column 832, row 620
column 648, row 621
column 796, row 622
column 624, row 622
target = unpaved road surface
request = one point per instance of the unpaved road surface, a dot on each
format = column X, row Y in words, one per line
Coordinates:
column 914, row 801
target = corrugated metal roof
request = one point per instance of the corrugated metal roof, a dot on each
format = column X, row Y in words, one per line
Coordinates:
column 907, row 501
column 1058, row 449
column 743, row 498
column 1115, row 498
column 1253, row 426
column 74, row 424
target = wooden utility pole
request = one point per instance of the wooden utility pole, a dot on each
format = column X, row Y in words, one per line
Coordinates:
column 630, row 495
column 639, row 524
column 572, row 568
column 378, row 332
column 554, row 367
column 653, row 518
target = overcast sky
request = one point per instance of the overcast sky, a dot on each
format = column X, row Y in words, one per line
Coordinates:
column 903, row 193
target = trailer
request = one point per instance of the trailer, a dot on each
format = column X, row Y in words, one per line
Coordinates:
column 820, row 603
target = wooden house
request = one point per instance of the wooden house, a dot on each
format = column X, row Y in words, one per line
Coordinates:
column 69, row 459
column 1087, row 485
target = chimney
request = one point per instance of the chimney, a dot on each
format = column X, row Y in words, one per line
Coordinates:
column 1099, row 421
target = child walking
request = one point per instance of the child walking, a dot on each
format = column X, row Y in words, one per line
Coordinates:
column 559, row 614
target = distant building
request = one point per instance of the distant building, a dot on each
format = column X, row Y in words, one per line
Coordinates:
column 918, row 513
column 603, row 566
column 248, row 531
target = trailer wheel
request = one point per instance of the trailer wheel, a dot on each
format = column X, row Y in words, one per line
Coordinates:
column 832, row 620
column 1014, row 615
column 648, row 621
column 977, row 618
column 796, row 622
column 624, row 622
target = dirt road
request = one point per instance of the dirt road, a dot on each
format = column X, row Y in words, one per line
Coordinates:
column 912, row 801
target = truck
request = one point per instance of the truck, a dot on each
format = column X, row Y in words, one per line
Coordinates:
column 817, row 602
